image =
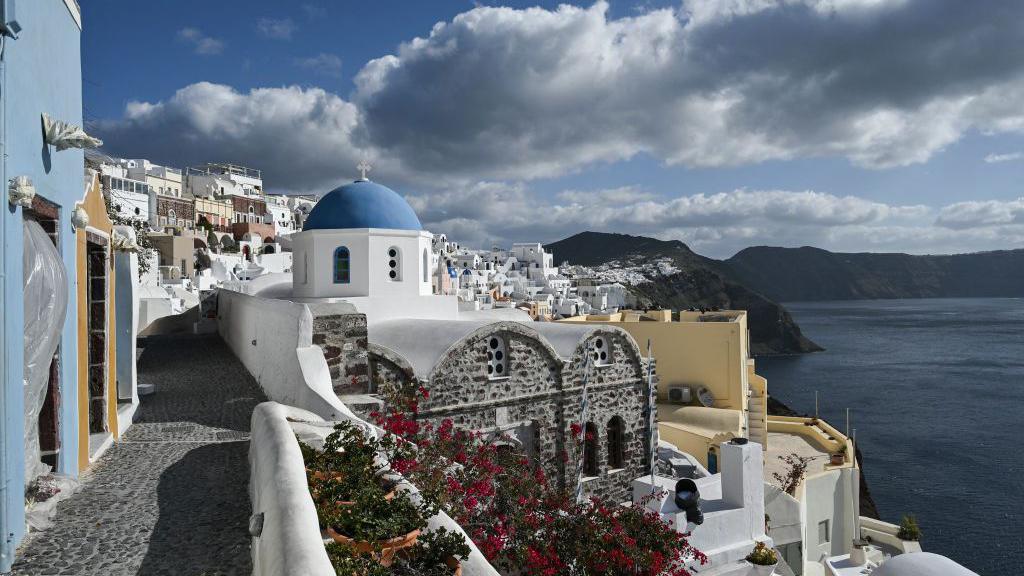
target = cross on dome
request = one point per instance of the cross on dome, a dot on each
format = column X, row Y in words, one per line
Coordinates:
column 364, row 167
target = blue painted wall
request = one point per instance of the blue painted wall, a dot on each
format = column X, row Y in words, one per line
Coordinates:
column 40, row 72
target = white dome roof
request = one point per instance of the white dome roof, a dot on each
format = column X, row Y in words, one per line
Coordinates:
column 921, row 564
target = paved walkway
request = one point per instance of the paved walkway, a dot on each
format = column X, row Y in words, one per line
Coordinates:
column 172, row 497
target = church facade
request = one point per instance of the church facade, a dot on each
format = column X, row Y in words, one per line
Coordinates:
column 520, row 381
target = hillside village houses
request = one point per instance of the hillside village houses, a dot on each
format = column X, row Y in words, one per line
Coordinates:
column 325, row 302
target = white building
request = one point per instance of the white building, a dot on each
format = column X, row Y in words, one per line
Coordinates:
column 363, row 242
column 223, row 180
column 162, row 179
column 280, row 215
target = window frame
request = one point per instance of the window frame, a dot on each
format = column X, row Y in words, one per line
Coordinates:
column 339, row 275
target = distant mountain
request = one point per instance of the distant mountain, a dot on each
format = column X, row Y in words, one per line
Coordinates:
column 668, row 274
column 795, row 274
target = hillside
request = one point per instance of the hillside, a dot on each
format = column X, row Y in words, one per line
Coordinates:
column 668, row 274
column 797, row 274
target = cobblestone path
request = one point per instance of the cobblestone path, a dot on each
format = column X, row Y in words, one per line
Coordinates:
column 172, row 496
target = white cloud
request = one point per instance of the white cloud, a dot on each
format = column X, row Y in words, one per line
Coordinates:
column 1008, row 157
column 981, row 214
column 201, row 43
column 323, row 63
column 303, row 136
column 278, row 29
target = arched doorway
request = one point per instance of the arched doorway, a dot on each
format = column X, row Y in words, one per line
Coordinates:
column 246, row 253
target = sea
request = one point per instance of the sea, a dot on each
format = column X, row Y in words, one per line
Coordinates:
column 935, row 389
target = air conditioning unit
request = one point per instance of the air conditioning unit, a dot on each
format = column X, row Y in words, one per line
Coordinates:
column 679, row 394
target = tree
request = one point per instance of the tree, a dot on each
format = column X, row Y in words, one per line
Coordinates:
column 791, row 480
column 228, row 244
column 145, row 245
column 211, row 241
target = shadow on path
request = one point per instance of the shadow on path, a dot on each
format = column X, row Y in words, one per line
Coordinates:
column 202, row 527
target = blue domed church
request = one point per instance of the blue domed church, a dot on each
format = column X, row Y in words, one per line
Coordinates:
column 361, row 240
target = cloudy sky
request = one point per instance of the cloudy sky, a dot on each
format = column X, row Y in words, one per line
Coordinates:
column 853, row 125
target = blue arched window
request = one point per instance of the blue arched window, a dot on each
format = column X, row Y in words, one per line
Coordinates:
column 342, row 272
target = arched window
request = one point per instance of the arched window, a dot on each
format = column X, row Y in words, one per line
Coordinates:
column 342, row 271
column 616, row 443
column 590, row 450
column 394, row 264
column 497, row 357
column 426, row 266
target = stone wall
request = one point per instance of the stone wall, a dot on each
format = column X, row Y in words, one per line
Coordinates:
column 539, row 400
column 343, row 340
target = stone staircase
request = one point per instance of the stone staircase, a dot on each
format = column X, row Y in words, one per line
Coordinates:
column 757, row 423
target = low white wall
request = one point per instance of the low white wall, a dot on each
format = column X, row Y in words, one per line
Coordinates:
column 274, row 340
column 290, row 543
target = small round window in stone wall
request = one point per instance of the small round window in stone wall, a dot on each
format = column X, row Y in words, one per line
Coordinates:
column 497, row 357
column 602, row 351
column 394, row 264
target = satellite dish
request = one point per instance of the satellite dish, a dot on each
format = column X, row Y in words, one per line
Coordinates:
column 705, row 397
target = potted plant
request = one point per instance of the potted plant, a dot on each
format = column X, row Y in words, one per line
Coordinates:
column 375, row 525
column 763, row 560
column 838, row 458
column 909, row 530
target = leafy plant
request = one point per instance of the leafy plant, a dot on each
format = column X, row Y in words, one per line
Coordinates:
column 791, row 480
column 372, row 518
column 762, row 555
column 348, row 562
column 145, row 245
column 430, row 554
column 909, row 530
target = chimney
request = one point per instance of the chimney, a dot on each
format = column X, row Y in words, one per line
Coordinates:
column 742, row 464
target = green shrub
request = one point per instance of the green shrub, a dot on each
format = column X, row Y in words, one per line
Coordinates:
column 909, row 530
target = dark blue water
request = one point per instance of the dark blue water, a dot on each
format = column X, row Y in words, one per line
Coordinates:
column 936, row 391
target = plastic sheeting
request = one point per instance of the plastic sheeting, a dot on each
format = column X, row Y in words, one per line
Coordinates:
column 46, row 303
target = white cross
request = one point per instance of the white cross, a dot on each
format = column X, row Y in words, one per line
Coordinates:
column 364, row 167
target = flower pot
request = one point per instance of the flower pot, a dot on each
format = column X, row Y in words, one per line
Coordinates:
column 387, row 548
column 837, row 459
column 761, row 570
column 455, row 565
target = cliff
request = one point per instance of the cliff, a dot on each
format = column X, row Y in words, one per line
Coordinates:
column 800, row 274
column 667, row 274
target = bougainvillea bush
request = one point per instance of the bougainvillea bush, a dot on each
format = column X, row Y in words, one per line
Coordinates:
column 519, row 518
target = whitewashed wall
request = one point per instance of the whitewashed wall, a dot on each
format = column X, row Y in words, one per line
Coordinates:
column 274, row 340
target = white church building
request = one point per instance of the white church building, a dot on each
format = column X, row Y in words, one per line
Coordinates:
column 363, row 243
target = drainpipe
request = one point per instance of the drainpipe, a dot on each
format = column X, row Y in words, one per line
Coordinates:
column 6, row 535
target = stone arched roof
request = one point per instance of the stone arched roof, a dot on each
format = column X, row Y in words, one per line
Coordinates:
column 424, row 344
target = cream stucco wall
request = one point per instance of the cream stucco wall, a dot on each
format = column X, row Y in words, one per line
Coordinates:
column 711, row 354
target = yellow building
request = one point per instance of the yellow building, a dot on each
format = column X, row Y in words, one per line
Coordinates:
column 97, row 374
column 220, row 213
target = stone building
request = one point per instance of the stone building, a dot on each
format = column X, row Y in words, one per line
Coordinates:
column 523, row 383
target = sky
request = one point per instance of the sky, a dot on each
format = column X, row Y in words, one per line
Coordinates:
column 851, row 125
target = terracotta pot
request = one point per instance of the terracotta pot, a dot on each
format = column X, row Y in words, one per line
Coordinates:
column 455, row 565
column 838, row 459
column 388, row 548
